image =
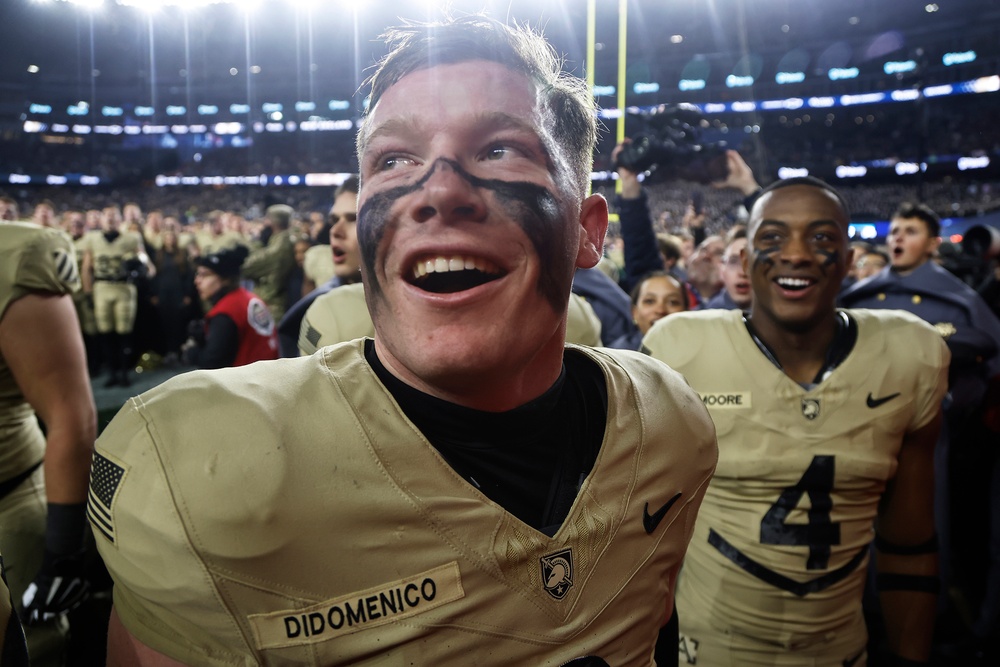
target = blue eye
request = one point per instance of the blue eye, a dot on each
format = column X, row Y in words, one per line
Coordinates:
column 391, row 162
column 498, row 152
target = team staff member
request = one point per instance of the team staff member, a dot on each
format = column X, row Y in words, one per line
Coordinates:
column 238, row 328
column 111, row 258
column 462, row 485
column 826, row 426
column 43, row 478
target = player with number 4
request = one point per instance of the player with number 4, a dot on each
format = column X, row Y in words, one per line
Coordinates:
column 826, row 422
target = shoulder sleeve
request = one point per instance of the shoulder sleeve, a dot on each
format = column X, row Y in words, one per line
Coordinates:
column 163, row 592
column 46, row 263
column 50, row 265
column 338, row 316
column 676, row 339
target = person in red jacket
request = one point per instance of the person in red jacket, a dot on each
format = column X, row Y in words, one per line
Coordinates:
column 238, row 328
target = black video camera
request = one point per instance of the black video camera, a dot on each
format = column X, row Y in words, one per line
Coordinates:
column 670, row 147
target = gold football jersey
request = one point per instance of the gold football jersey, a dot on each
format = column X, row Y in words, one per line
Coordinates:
column 32, row 259
column 308, row 522
column 108, row 257
column 781, row 544
column 341, row 315
column 338, row 316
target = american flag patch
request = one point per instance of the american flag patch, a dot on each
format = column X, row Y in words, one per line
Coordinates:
column 105, row 478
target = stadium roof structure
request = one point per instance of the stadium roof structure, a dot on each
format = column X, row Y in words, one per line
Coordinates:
column 109, row 52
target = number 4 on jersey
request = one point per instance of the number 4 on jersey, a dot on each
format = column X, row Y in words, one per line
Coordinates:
column 820, row 533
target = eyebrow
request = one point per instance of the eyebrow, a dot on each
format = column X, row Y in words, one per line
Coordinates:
column 811, row 225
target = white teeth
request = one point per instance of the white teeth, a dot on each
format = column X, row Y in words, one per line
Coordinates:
column 454, row 263
column 793, row 282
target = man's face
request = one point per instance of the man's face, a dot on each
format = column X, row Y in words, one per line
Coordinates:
column 734, row 278
column 154, row 221
column 43, row 215
column 868, row 265
column 705, row 265
column 111, row 219
column 797, row 257
column 8, row 211
column 469, row 230
column 132, row 213
column 910, row 244
column 76, row 225
column 344, row 237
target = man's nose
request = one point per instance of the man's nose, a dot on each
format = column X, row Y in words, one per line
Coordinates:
column 449, row 194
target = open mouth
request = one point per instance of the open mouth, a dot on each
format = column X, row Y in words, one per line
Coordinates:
column 446, row 275
column 794, row 284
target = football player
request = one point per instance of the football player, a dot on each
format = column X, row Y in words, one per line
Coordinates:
column 464, row 486
column 112, row 259
column 826, row 422
column 43, row 372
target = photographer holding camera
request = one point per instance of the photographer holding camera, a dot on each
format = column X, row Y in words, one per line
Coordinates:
column 671, row 150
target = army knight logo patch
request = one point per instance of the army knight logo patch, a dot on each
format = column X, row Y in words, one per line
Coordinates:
column 810, row 408
column 557, row 573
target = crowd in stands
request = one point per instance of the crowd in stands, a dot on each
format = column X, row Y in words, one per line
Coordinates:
column 933, row 130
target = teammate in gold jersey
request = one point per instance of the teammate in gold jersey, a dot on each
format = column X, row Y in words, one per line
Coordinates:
column 43, row 476
column 110, row 257
column 826, row 422
column 464, row 487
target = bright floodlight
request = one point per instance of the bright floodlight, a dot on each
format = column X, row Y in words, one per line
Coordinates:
column 33, row 69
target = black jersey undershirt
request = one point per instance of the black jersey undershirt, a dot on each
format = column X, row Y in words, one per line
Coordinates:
column 530, row 460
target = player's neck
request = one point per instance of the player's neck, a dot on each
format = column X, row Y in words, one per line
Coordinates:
column 800, row 353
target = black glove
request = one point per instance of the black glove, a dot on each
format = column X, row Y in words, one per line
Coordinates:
column 59, row 587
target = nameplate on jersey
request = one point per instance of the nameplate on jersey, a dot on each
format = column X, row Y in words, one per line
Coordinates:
column 380, row 605
column 726, row 400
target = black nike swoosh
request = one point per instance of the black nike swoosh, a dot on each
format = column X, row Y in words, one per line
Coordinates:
column 873, row 402
column 651, row 521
